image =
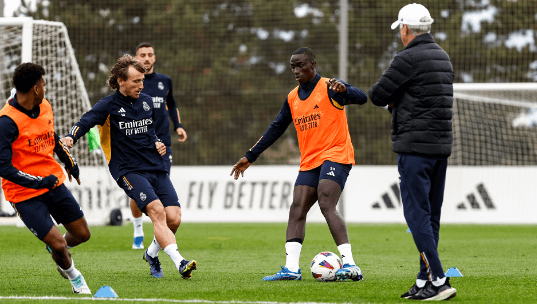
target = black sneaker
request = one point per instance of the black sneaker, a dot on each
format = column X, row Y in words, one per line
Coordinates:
column 434, row 293
column 412, row 291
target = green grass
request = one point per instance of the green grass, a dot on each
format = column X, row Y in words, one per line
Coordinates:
column 498, row 263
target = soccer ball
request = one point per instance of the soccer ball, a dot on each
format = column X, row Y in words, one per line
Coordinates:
column 324, row 266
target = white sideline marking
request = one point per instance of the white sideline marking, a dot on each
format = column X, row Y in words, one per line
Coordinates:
column 151, row 300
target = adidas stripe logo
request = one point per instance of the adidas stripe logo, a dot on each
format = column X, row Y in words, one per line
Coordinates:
column 331, row 173
column 316, row 107
column 387, row 200
column 122, row 112
column 473, row 201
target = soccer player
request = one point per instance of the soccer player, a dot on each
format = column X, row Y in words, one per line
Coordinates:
column 316, row 108
column 135, row 156
column 32, row 180
column 417, row 88
column 159, row 87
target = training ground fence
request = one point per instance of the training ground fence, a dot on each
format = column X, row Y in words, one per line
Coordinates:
column 229, row 63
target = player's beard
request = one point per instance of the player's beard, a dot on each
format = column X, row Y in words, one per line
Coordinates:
column 148, row 68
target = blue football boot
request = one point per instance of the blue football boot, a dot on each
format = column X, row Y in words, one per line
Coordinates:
column 349, row 271
column 154, row 265
column 284, row 275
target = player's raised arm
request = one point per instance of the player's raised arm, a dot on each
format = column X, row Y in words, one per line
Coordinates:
column 276, row 129
column 96, row 116
column 344, row 93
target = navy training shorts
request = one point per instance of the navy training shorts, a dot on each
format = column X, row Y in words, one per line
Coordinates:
column 146, row 187
column 328, row 170
column 36, row 212
column 168, row 158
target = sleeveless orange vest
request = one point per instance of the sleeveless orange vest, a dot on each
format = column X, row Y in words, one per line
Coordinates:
column 32, row 150
column 321, row 127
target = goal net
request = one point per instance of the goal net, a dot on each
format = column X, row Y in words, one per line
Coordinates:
column 494, row 124
column 47, row 43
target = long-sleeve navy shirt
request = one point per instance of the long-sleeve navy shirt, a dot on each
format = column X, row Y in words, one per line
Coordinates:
column 351, row 96
column 159, row 87
column 132, row 133
column 10, row 132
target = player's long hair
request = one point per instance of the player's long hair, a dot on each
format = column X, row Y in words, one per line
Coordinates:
column 121, row 70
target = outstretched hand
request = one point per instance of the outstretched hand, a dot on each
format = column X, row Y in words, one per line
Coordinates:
column 67, row 141
column 336, row 85
column 240, row 167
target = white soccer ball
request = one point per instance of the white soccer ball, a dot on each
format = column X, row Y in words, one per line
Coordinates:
column 325, row 265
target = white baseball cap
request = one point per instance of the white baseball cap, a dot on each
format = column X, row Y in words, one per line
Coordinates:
column 411, row 14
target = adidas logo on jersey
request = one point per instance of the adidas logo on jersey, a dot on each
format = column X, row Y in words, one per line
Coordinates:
column 316, row 107
column 122, row 112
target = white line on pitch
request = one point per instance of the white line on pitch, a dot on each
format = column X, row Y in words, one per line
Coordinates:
column 151, row 300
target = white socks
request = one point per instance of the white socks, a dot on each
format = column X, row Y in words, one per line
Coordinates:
column 439, row 282
column 172, row 251
column 138, row 226
column 420, row 283
column 72, row 273
column 154, row 248
column 292, row 249
column 346, row 254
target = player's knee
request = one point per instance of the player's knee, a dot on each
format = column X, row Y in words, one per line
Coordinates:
column 85, row 236
column 298, row 211
column 174, row 223
column 58, row 246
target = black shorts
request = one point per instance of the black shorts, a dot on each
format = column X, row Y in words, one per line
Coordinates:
column 146, row 187
column 36, row 212
column 328, row 170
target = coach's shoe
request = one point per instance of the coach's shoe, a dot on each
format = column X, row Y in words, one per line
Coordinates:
column 79, row 285
column 349, row 271
column 434, row 293
column 284, row 275
column 412, row 291
column 138, row 242
column 154, row 265
column 186, row 268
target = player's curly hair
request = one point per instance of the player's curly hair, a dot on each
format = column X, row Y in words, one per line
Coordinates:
column 27, row 75
column 121, row 70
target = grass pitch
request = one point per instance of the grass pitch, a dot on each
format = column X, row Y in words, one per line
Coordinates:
column 498, row 263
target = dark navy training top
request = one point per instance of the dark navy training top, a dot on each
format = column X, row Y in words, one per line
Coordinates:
column 159, row 87
column 129, row 123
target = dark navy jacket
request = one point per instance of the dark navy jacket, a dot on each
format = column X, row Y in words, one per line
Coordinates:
column 132, row 133
column 9, row 133
column 351, row 96
column 159, row 87
column 419, row 82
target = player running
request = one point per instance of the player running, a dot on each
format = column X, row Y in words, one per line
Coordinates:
column 32, row 180
column 135, row 156
column 316, row 108
column 159, row 87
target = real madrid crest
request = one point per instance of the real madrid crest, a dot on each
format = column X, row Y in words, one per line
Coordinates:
column 146, row 106
column 142, row 196
column 160, row 85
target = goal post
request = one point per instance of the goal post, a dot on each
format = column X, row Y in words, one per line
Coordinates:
column 47, row 43
column 494, row 124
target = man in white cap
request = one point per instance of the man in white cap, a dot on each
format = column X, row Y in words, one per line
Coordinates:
column 417, row 89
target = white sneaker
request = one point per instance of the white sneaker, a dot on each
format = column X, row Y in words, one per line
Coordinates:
column 79, row 285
